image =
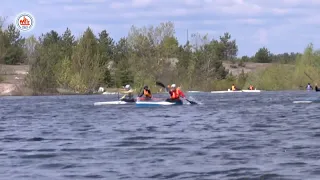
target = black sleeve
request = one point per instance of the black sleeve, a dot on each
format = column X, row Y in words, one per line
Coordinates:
column 140, row 94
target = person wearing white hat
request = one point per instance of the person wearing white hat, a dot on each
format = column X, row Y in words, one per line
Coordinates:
column 128, row 97
column 175, row 94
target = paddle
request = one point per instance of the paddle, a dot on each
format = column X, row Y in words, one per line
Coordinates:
column 316, row 89
column 162, row 85
column 308, row 76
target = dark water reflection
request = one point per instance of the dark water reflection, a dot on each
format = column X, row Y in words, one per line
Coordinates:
column 230, row 136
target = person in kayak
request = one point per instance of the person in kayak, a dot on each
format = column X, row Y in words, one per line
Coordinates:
column 233, row 88
column 309, row 87
column 251, row 87
column 128, row 97
column 175, row 94
column 146, row 92
column 316, row 87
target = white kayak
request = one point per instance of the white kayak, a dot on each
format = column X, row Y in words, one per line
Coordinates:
column 105, row 93
column 307, row 101
column 195, row 91
column 238, row 91
column 302, row 102
column 251, row 90
column 110, row 102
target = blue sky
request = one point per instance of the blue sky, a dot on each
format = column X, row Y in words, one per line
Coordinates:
column 280, row 25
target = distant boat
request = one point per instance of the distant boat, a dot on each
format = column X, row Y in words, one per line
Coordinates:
column 237, row 91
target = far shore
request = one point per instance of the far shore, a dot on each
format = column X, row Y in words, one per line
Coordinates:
column 14, row 76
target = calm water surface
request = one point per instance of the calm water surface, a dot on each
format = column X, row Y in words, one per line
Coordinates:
column 231, row 136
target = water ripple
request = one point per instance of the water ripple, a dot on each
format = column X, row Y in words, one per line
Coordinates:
column 229, row 137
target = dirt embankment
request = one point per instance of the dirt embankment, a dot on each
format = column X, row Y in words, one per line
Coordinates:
column 13, row 83
column 249, row 67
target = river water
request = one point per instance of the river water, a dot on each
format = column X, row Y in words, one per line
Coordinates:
column 230, row 136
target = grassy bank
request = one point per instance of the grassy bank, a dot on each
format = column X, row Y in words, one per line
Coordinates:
column 289, row 77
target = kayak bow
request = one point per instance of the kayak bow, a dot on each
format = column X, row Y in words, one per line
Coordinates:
column 111, row 102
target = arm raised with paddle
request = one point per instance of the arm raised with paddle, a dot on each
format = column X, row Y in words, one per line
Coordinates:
column 167, row 90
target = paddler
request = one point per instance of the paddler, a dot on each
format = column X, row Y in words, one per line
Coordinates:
column 128, row 97
column 146, row 92
column 316, row 87
column 175, row 94
column 233, row 87
column 251, row 87
column 309, row 87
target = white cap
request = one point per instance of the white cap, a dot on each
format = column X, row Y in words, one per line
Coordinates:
column 127, row 86
column 173, row 85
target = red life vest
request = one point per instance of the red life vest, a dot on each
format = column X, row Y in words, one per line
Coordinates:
column 175, row 94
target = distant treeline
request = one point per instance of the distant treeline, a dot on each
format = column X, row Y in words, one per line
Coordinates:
column 147, row 54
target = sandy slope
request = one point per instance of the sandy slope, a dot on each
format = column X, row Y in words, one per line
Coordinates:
column 13, row 76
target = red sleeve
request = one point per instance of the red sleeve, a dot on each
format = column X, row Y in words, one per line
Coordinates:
column 181, row 93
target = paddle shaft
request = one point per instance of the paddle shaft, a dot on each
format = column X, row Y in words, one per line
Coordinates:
column 308, row 76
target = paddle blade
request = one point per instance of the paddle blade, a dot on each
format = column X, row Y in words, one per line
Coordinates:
column 160, row 84
column 191, row 102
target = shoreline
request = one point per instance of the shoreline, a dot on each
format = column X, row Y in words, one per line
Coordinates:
column 115, row 93
column 13, row 81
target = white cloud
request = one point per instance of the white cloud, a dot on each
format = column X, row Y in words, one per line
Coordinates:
column 94, row 1
column 250, row 21
column 117, row 5
column 141, row 3
column 261, row 36
column 280, row 11
column 48, row 2
column 79, row 7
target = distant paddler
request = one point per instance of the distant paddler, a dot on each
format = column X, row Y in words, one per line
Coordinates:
column 234, row 88
column 309, row 87
column 251, row 87
column 128, row 97
column 316, row 87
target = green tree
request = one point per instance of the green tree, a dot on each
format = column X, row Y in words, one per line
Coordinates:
column 226, row 48
column 86, row 60
column 67, row 43
column 263, row 55
column 42, row 77
column 14, row 43
column 30, row 49
column 106, row 47
column 121, row 57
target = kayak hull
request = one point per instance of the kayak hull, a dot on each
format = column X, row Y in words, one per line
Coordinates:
column 306, row 102
column 126, row 101
column 157, row 103
column 251, row 91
